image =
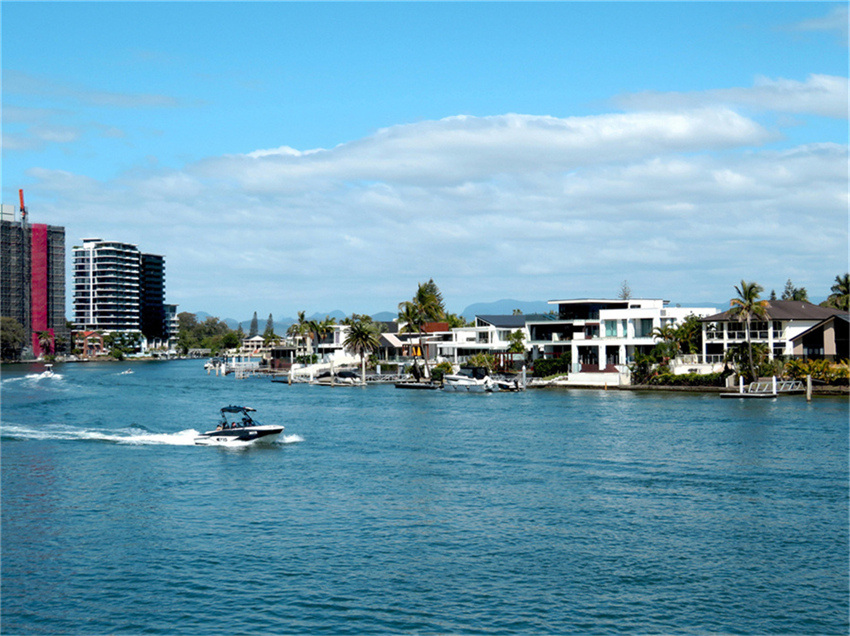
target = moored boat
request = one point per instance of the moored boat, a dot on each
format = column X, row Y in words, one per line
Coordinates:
column 470, row 380
column 238, row 427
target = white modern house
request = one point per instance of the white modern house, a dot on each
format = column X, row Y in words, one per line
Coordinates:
column 489, row 334
column 602, row 335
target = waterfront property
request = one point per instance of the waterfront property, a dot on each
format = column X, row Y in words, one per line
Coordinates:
column 783, row 331
column 602, row 336
column 118, row 289
column 829, row 339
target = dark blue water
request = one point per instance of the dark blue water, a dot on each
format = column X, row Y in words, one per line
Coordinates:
column 389, row 511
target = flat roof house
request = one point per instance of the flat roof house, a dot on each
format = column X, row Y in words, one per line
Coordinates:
column 603, row 335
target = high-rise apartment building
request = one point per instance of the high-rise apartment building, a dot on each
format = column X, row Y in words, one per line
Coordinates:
column 118, row 288
column 153, row 297
column 106, row 286
column 32, row 277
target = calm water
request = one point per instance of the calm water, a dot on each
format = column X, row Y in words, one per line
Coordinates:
column 416, row 512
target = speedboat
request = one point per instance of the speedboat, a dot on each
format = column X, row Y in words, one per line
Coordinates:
column 238, row 427
column 343, row 377
column 470, row 380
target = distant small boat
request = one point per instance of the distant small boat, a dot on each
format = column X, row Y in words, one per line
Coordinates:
column 48, row 371
column 127, row 372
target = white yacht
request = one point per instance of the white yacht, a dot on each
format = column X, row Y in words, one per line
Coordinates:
column 470, row 380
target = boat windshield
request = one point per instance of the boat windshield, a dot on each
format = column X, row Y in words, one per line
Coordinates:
column 236, row 417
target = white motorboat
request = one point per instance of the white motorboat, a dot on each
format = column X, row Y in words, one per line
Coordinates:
column 470, row 380
column 237, row 427
column 342, row 377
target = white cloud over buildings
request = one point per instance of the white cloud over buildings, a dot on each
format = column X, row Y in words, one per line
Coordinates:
column 689, row 198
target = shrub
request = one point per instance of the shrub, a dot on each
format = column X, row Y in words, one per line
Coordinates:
column 689, row 379
column 551, row 366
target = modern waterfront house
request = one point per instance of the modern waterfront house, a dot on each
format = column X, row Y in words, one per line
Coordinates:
column 786, row 322
column 603, row 335
column 32, row 276
column 490, row 334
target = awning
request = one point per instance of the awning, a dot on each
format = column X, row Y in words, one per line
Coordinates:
column 392, row 340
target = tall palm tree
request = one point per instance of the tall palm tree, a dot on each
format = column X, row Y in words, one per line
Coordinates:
column 426, row 306
column 840, row 296
column 45, row 342
column 362, row 339
column 321, row 328
column 299, row 329
column 746, row 307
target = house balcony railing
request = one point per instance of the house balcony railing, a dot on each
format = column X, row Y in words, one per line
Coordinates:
column 742, row 335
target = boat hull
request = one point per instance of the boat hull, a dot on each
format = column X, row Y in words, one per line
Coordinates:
column 240, row 436
column 465, row 384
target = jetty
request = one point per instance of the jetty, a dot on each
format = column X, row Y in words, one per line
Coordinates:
column 771, row 388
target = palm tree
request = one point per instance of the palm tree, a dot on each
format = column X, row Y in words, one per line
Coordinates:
column 744, row 308
column 45, row 342
column 840, row 296
column 426, row 306
column 362, row 338
column 301, row 328
column 321, row 328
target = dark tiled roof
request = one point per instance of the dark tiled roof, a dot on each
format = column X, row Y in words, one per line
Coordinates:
column 787, row 310
column 509, row 321
column 504, row 321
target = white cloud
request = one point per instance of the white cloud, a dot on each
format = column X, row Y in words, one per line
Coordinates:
column 824, row 95
column 836, row 21
column 680, row 204
column 18, row 83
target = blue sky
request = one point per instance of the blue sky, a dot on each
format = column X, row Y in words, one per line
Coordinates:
column 322, row 156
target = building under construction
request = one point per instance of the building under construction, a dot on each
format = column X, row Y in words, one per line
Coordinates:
column 32, row 278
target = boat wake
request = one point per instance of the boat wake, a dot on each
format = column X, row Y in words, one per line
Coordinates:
column 32, row 378
column 133, row 435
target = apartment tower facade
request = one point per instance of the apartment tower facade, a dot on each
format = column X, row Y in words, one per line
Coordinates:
column 32, row 278
column 117, row 288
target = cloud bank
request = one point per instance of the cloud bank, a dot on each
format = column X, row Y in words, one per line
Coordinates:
column 683, row 202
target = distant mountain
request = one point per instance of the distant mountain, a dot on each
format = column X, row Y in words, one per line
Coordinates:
column 506, row 307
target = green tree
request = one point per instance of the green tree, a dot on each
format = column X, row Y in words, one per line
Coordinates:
column 255, row 327
column 320, row 329
column 300, row 329
column 455, row 321
column 482, row 360
column 746, row 307
column 230, row 340
column 362, row 338
column 689, row 335
column 45, row 342
column 625, row 291
column 268, row 333
column 840, row 296
column 12, row 338
column 426, row 306
column 517, row 340
column 794, row 293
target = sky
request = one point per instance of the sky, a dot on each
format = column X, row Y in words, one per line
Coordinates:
column 298, row 156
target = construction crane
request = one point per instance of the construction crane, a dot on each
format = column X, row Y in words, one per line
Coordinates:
column 23, row 207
